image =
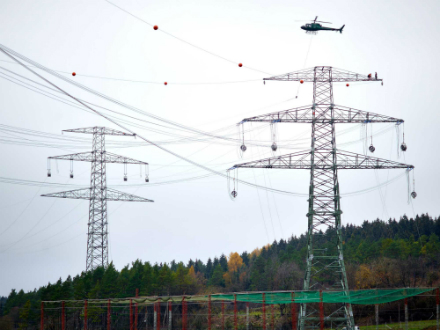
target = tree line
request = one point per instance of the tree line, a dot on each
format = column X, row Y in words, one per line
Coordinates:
column 382, row 254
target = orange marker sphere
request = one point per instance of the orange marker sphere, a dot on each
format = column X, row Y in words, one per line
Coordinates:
column 165, row 83
column 301, row 81
column 348, row 85
column 74, row 74
column 155, row 27
column 240, row 65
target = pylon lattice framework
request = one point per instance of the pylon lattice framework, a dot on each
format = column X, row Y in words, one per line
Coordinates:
column 325, row 264
column 98, row 193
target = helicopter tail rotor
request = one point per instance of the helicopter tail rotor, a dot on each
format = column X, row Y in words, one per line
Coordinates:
column 340, row 30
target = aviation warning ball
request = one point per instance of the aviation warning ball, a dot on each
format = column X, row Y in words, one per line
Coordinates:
column 372, row 148
column 240, row 65
column 347, row 85
column 403, row 146
column 165, row 83
column 155, row 27
column 74, row 74
column 243, row 148
column 301, row 81
column 413, row 194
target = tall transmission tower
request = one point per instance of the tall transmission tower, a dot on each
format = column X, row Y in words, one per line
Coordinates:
column 98, row 194
column 325, row 269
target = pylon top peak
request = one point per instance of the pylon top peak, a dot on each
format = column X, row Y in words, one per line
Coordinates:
column 99, row 130
column 324, row 74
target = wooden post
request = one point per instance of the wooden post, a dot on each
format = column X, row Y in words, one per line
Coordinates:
column 406, row 313
column 85, row 315
column 63, row 317
column 131, row 314
column 42, row 316
column 235, row 312
column 264, row 311
column 170, row 316
column 293, row 312
column 247, row 316
column 321, row 310
column 209, row 312
column 109, row 318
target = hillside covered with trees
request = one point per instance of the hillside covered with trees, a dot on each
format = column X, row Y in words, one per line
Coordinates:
column 403, row 253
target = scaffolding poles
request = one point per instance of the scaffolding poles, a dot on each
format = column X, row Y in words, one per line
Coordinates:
column 158, row 315
column 131, row 314
column 170, row 316
column 209, row 312
column 406, row 314
column 247, row 316
column 85, row 315
column 272, row 317
column 223, row 315
column 184, row 314
column 437, row 305
column 136, row 311
column 321, row 311
column 109, row 315
column 235, row 312
column 294, row 315
column 63, row 317
column 42, row 316
column 264, row 311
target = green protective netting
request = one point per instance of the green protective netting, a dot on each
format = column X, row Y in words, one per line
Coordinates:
column 360, row 297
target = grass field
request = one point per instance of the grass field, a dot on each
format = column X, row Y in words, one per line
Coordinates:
column 416, row 325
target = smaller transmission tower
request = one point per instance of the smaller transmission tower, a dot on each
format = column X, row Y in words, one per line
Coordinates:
column 98, row 194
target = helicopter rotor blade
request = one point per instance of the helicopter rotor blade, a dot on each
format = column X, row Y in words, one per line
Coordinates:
column 324, row 22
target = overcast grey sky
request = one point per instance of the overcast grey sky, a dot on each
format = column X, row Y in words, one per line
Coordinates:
column 44, row 239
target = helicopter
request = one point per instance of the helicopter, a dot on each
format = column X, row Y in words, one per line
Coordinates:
column 315, row 27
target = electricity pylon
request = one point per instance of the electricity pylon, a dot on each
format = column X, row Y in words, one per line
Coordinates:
column 325, row 267
column 98, row 193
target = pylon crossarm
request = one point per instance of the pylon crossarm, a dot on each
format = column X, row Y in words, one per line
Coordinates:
column 322, row 161
column 109, row 195
column 83, row 193
column 93, row 156
column 337, row 75
column 98, row 130
column 323, row 114
column 115, row 195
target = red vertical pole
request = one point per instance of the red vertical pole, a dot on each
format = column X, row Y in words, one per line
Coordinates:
column 85, row 315
column 136, row 311
column 63, row 317
column 235, row 312
column 109, row 319
column 209, row 312
column 272, row 320
column 158, row 314
column 131, row 314
column 223, row 315
column 294, row 315
column 183, row 314
column 42, row 316
column 264, row 311
column 170, row 317
column 321, row 310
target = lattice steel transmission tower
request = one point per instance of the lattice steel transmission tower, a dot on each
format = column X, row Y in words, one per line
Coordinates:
column 325, row 268
column 98, row 193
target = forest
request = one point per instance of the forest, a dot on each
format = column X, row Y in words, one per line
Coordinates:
column 377, row 254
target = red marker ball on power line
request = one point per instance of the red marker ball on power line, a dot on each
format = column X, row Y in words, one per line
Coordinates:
column 74, row 74
column 348, row 85
column 301, row 81
column 240, row 65
column 165, row 83
column 155, row 27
